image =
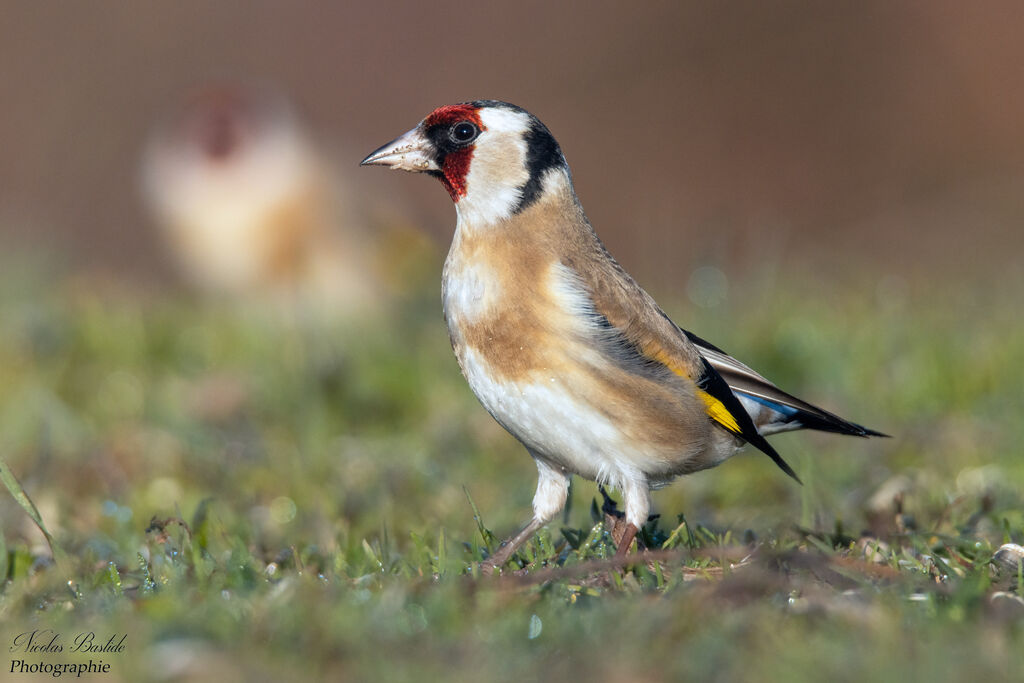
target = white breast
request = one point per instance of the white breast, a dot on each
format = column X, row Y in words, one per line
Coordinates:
column 554, row 424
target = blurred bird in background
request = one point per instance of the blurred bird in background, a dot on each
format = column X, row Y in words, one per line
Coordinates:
column 252, row 208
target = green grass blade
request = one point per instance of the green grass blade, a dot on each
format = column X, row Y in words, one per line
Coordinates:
column 485, row 533
column 4, row 558
column 14, row 486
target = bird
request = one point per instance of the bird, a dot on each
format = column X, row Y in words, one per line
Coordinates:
column 250, row 207
column 560, row 344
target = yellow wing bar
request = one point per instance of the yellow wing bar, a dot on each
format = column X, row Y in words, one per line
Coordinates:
column 715, row 408
column 719, row 413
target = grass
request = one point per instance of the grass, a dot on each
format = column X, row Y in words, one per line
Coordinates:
column 247, row 498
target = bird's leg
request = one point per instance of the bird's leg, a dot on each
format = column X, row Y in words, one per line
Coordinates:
column 552, row 490
column 509, row 546
column 637, row 499
column 627, row 540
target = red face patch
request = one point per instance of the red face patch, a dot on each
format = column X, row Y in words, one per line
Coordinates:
column 455, row 166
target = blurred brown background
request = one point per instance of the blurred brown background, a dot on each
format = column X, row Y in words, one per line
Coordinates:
column 811, row 134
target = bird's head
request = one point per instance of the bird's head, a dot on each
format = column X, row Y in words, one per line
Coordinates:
column 494, row 158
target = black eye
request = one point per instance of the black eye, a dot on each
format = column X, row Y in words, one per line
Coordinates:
column 463, row 132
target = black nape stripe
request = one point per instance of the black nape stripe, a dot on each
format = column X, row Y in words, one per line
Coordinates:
column 542, row 154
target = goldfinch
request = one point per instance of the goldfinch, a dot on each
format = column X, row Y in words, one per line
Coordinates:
column 560, row 345
column 249, row 206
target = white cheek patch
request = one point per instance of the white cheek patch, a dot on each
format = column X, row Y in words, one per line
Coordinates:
column 497, row 170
